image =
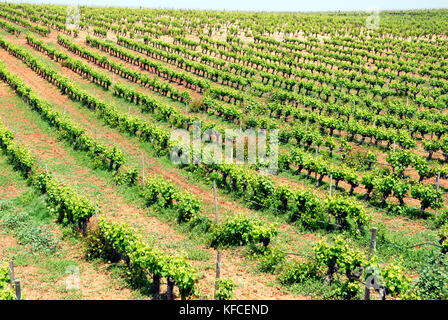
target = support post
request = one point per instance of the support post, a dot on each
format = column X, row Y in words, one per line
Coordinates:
column 372, row 242
column 169, row 289
column 437, row 187
column 331, row 183
column 218, row 270
column 216, row 201
column 371, row 251
column 18, row 290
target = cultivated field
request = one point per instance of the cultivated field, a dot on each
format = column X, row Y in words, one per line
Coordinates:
column 350, row 194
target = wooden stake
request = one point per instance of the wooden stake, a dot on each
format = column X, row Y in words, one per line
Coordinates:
column 216, row 201
column 169, row 289
column 367, row 293
column 218, row 270
column 372, row 242
column 331, row 183
column 382, row 293
column 437, row 187
column 218, row 256
column 18, row 290
column 371, row 250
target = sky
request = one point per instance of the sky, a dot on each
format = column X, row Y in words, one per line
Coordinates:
column 260, row 5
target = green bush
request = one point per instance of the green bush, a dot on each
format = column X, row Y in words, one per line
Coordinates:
column 224, row 289
column 14, row 221
column 440, row 219
column 396, row 281
column 39, row 239
column 340, row 257
column 188, row 207
column 443, row 237
column 348, row 290
column 272, row 259
column 27, row 233
column 297, row 272
column 96, row 246
column 433, row 281
column 128, row 177
column 6, row 293
column 242, row 230
column 345, row 209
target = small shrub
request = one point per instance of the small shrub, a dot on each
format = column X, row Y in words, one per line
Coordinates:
column 272, row 260
column 433, row 281
column 196, row 105
column 297, row 272
column 188, row 207
column 242, row 230
column 396, row 280
column 224, row 289
column 129, row 177
column 28, row 233
column 39, row 239
column 96, row 247
column 6, row 293
column 348, row 290
column 14, row 221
